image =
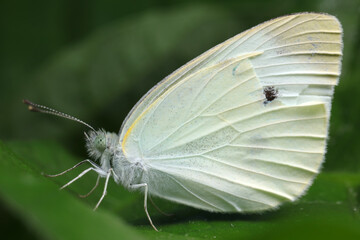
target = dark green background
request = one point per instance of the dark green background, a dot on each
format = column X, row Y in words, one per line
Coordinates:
column 95, row 59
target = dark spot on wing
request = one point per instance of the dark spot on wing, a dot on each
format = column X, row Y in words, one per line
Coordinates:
column 270, row 93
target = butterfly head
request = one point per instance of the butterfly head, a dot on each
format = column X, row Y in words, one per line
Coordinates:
column 97, row 142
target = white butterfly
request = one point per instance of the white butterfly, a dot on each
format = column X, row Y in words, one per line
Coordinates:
column 241, row 128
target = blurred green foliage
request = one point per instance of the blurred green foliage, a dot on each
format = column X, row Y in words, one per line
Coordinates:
column 94, row 60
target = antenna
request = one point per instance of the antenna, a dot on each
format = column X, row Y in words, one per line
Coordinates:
column 42, row 109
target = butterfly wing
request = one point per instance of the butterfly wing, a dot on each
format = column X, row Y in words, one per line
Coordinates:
column 209, row 139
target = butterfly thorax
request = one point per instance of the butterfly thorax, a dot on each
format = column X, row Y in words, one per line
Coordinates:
column 104, row 147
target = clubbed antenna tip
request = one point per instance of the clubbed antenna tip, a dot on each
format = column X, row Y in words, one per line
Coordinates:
column 31, row 106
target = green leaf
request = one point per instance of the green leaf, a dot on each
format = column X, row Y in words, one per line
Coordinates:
column 51, row 213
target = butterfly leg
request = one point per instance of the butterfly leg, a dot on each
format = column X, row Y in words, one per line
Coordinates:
column 157, row 208
column 105, row 187
column 145, row 201
column 99, row 171
column 96, row 184
column 77, row 165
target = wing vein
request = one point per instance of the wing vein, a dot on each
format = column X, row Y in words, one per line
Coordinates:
column 312, row 31
column 267, row 191
column 335, row 74
column 337, row 53
column 295, row 63
column 251, row 171
column 300, row 43
column 276, row 123
column 231, row 89
column 284, row 164
column 290, row 27
column 193, row 194
column 296, row 136
column 272, row 148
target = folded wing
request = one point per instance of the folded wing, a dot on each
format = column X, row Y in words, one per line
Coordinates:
column 209, row 138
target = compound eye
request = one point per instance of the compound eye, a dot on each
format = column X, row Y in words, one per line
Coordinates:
column 100, row 143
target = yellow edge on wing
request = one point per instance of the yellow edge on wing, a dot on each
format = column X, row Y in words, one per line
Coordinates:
column 133, row 125
column 248, row 55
